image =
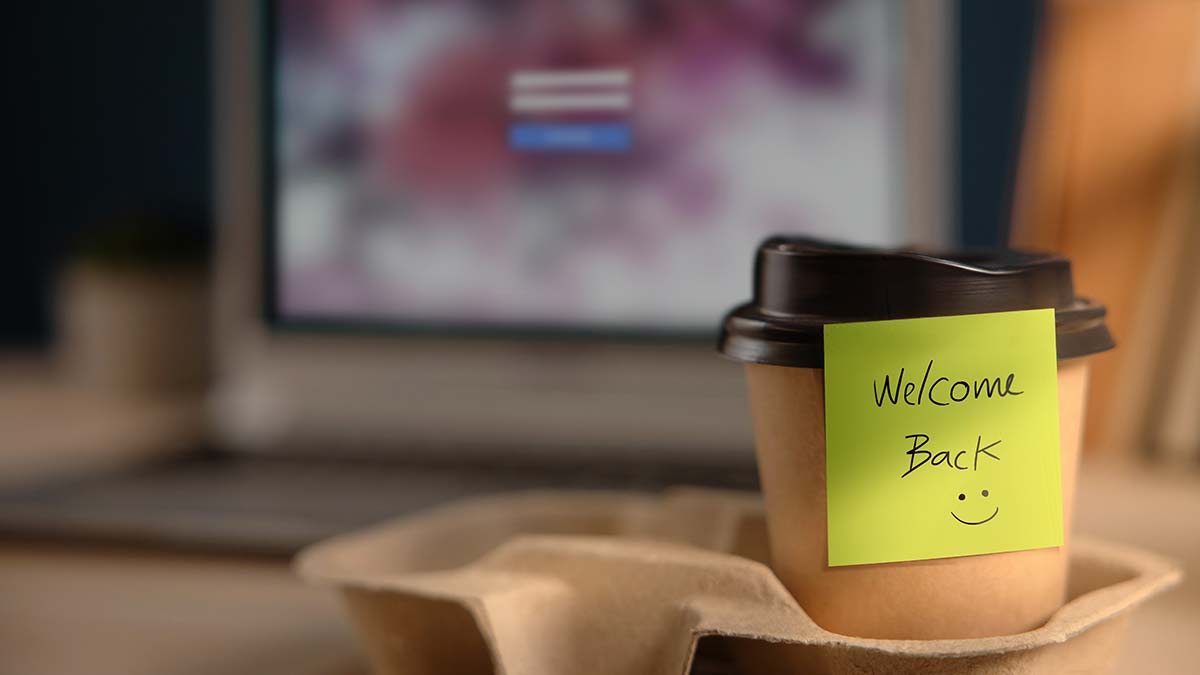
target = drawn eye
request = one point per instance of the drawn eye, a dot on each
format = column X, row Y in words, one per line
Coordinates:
column 961, row 496
column 985, row 493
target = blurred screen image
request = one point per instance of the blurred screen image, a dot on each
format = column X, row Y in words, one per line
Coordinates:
column 599, row 164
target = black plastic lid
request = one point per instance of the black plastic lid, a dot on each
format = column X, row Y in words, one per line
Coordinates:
column 802, row 284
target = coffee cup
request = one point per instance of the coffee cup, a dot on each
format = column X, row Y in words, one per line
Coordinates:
column 800, row 286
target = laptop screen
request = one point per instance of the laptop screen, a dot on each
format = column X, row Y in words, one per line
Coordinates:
column 600, row 165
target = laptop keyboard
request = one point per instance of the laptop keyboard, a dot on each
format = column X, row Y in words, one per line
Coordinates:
column 275, row 506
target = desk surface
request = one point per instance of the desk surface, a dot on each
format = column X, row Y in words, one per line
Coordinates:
column 68, row 609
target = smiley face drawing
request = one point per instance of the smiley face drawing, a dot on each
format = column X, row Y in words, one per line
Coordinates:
column 963, row 497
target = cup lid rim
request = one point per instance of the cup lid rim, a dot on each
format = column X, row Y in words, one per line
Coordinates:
column 802, row 284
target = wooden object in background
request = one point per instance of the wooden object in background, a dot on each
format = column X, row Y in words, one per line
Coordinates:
column 1175, row 423
column 51, row 429
column 140, row 330
column 1108, row 159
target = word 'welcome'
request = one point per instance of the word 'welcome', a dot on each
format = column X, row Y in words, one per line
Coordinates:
column 942, row 391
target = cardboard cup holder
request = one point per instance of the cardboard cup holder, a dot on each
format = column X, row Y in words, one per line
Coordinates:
column 546, row 583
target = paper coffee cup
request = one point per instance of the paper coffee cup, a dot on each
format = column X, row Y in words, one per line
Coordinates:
column 800, row 286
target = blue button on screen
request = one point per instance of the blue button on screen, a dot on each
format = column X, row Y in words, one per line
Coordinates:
column 609, row 137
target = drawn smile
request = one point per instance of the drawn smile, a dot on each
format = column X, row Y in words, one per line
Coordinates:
column 977, row 522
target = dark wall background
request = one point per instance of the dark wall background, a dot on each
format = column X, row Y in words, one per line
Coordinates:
column 996, row 45
column 109, row 115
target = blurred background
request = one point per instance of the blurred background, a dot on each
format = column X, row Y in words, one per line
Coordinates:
column 280, row 269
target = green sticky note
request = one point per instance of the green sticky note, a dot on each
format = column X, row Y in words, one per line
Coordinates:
column 941, row 437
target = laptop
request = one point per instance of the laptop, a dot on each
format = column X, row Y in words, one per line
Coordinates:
column 467, row 247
